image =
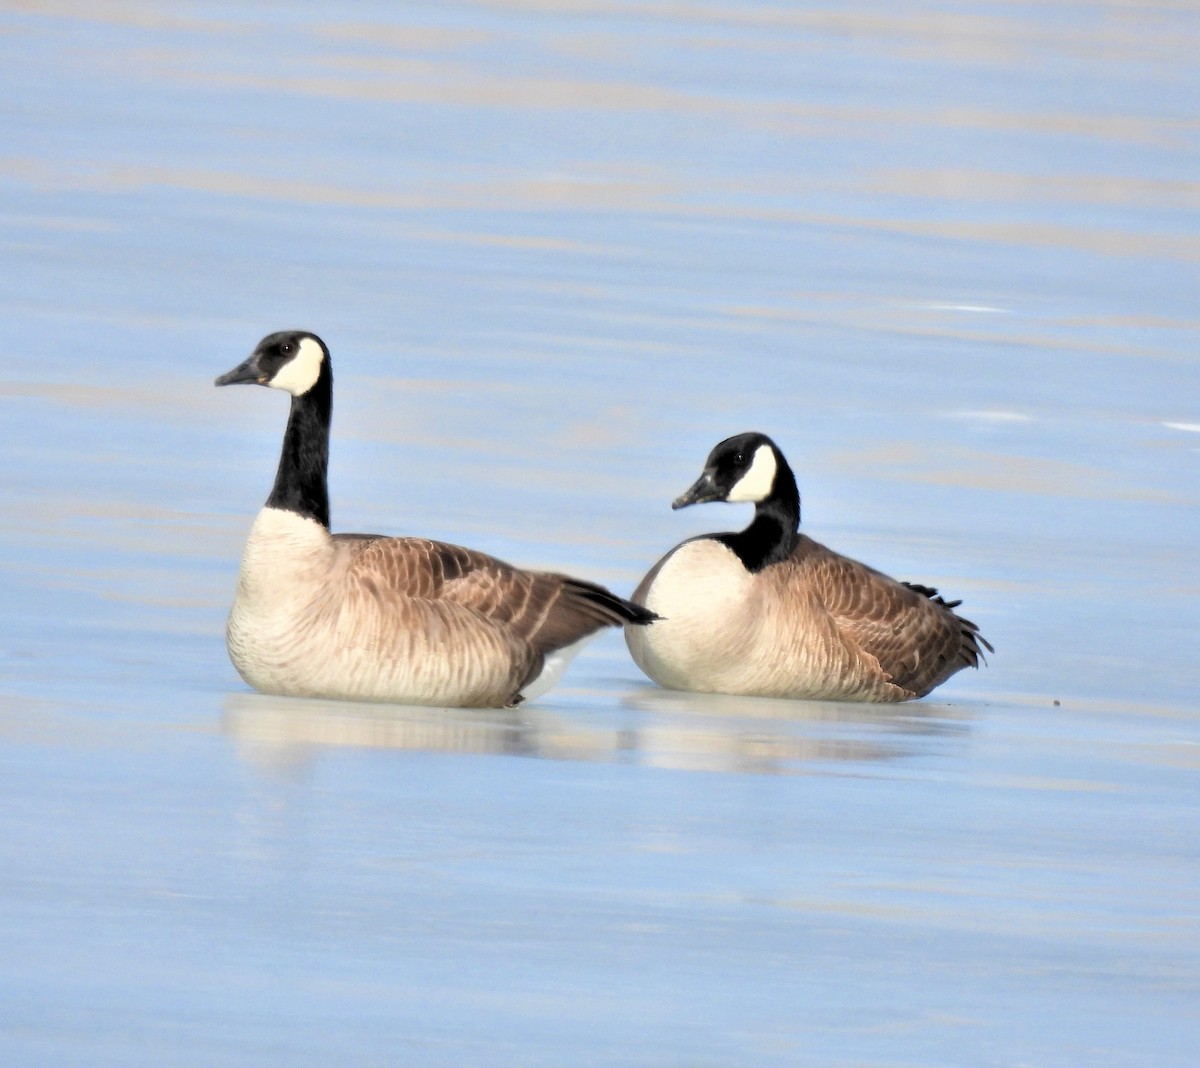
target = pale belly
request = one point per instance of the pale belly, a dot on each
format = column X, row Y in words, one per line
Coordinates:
column 310, row 655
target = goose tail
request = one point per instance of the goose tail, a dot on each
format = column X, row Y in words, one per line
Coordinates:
column 615, row 610
column 969, row 650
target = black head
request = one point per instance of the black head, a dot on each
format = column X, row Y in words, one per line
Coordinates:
column 291, row 360
column 742, row 468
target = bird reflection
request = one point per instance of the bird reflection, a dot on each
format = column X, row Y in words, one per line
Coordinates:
column 653, row 727
column 922, row 718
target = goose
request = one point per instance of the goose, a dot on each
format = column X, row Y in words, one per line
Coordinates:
column 770, row 612
column 403, row 620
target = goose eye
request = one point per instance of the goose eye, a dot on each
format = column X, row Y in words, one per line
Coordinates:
column 286, row 348
column 739, row 458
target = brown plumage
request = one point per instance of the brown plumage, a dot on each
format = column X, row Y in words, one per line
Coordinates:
column 537, row 612
column 909, row 630
column 769, row 611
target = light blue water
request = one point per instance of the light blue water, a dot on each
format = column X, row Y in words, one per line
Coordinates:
column 945, row 254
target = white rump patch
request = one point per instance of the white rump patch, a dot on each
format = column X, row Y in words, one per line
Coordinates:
column 755, row 485
column 553, row 668
column 301, row 372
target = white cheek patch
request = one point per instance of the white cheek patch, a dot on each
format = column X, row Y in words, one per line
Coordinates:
column 301, row 372
column 755, row 485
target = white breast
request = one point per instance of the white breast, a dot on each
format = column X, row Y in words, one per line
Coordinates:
column 703, row 593
column 284, row 567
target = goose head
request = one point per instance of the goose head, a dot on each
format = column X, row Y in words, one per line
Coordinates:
column 291, row 360
column 746, row 467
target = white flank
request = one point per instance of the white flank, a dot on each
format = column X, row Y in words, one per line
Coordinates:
column 755, row 485
column 301, row 372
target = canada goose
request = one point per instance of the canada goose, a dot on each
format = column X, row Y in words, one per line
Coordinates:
column 366, row 617
column 770, row 612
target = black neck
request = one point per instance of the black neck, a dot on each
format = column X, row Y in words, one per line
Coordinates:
column 771, row 536
column 301, row 484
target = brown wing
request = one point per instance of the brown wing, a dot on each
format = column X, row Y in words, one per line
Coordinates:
column 915, row 635
column 546, row 610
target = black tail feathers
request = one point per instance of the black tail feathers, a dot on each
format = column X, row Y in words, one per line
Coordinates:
column 619, row 609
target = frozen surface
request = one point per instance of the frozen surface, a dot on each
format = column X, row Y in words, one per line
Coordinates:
column 947, row 255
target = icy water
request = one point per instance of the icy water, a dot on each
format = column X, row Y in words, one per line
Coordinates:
column 946, row 254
